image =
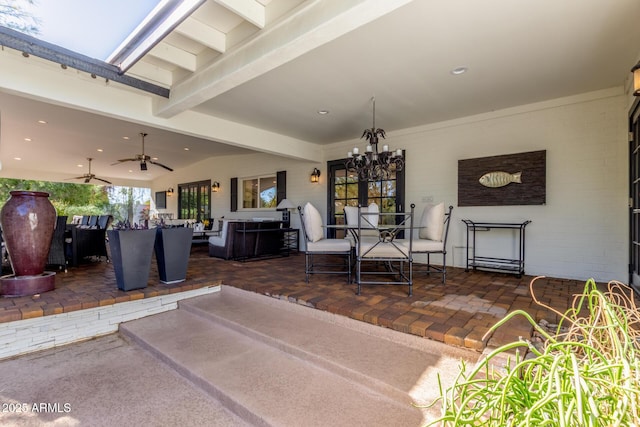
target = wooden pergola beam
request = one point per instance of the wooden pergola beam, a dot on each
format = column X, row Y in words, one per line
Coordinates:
column 33, row 46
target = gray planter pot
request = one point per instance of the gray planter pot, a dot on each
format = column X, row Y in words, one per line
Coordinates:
column 131, row 252
column 173, row 247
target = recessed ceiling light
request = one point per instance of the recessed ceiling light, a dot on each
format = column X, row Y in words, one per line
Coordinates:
column 28, row 139
column 186, row 148
column 42, row 122
column 459, row 70
column 154, row 158
column 130, row 171
column 323, row 112
column 125, row 137
column 79, row 165
column 17, row 158
column 99, row 150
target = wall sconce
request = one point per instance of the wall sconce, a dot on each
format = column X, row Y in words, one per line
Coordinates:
column 636, row 79
column 170, row 191
column 315, row 175
column 215, row 187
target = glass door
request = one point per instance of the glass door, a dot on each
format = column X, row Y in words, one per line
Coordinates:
column 344, row 189
column 194, row 200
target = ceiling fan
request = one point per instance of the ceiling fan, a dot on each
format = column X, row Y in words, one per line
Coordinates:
column 89, row 176
column 142, row 158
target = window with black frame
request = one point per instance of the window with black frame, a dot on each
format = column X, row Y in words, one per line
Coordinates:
column 194, row 200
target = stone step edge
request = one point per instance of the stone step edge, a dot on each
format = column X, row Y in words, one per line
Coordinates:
column 370, row 383
column 412, row 341
column 227, row 401
column 225, row 397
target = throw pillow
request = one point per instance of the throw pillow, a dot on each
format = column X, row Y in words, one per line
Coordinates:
column 313, row 223
column 432, row 222
column 351, row 215
column 372, row 215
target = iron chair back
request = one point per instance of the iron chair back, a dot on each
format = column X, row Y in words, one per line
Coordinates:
column 442, row 249
column 387, row 256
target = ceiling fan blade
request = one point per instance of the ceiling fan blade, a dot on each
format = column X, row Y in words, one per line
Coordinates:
column 160, row 164
column 76, row 177
column 124, row 160
column 103, row 180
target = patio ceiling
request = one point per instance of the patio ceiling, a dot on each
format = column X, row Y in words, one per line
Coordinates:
column 250, row 72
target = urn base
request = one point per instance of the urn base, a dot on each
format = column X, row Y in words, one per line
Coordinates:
column 19, row 286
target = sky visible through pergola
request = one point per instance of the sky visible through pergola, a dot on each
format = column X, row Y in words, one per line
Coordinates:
column 94, row 28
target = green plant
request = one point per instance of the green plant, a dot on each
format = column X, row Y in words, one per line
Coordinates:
column 586, row 373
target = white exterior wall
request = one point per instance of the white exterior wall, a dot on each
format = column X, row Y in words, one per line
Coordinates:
column 581, row 232
column 222, row 169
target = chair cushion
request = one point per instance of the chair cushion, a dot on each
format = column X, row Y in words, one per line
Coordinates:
column 373, row 249
column 312, row 223
column 329, row 245
column 432, row 222
column 370, row 220
column 422, row 245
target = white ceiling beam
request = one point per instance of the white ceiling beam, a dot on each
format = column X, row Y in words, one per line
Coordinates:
column 174, row 55
column 150, row 72
column 204, row 34
column 46, row 81
column 310, row 27
column 249, row 10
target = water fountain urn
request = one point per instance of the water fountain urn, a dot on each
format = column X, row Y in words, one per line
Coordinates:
column 28, row 220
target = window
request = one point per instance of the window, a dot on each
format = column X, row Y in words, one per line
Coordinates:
column 259, row 193
column 194, row 200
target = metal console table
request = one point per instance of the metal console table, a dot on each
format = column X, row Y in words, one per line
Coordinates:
column 510, row 265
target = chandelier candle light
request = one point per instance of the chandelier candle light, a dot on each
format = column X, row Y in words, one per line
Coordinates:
column 374, row 165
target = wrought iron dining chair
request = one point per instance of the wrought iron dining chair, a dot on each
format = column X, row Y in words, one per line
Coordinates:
column 385, row 257
column 431, row 238
column 317, row 245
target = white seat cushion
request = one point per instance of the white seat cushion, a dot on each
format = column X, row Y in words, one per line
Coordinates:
column 432, row 222
column 312, row 223
column 422, row 245
column 329, row 245
column 372, row 249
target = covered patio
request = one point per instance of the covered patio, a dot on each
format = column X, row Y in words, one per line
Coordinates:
column 458, row 313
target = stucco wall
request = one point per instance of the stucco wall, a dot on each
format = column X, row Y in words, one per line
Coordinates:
column 581, row 232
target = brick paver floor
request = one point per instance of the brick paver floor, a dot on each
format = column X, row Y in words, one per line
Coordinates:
column 458, row 313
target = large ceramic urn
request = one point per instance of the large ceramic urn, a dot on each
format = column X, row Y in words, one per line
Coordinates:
column 28, row 220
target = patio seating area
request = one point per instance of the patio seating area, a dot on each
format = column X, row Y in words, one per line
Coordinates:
column 457, row 313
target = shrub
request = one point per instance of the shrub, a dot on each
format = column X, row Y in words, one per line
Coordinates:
column 585, row 373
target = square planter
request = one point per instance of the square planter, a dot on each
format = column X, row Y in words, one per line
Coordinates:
column 131, row 252
column 173, row 247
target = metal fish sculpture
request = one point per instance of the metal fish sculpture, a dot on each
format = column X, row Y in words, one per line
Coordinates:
column 500, row 179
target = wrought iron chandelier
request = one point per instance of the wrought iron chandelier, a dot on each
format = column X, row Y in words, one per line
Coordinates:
column 374, row 165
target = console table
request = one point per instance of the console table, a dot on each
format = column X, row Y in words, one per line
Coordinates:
column 290, row 239
column 509, row 265
column 265, row 238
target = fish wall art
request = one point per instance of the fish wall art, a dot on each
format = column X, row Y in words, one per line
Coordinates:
column 500, row 179
column 503, row 180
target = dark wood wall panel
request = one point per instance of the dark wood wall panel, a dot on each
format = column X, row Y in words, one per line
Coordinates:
column 532, row 190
